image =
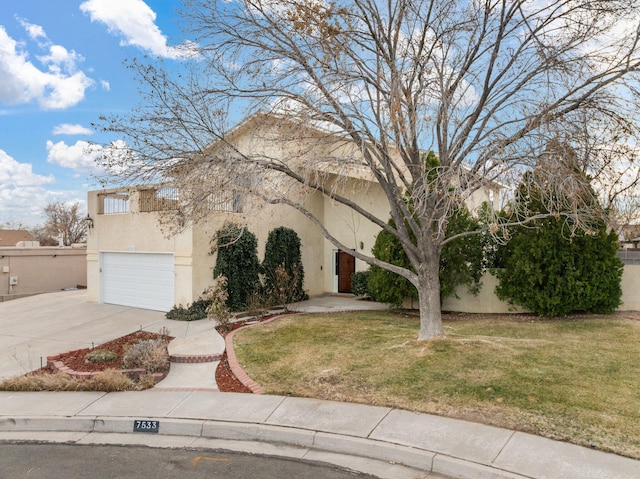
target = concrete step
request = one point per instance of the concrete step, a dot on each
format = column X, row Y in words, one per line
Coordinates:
column 206, row 347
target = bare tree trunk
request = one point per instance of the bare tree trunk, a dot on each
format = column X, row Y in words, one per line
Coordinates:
column 429, row 301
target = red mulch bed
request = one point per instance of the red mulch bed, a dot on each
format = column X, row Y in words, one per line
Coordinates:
column 76, row 359
column 226, row 380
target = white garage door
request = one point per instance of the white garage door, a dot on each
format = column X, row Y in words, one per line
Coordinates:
column 141, row 280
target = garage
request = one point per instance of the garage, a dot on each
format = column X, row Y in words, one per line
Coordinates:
column 140, row 280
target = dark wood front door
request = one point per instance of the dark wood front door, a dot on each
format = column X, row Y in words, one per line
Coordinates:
column 346, row 266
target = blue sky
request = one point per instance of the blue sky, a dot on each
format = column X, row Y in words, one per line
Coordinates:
column 61, row 66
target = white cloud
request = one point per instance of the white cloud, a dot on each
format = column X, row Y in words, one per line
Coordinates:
column 22, row 192
column 69, row 129
column 80, row 157
column 60, row 59
column 135, row 22
column 57, row 84
column 13, row 173
column 106, row 86
column 34, row 31
column 114, row 159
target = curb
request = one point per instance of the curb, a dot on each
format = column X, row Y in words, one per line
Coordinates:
column 418, row 460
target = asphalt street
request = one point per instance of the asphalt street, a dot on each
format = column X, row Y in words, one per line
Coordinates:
column 64, row 461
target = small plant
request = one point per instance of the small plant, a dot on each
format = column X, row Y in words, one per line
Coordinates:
column 257, row 305
column 283, row 290
column 101, row 356
column 193, row 312
column 41, row 382
column 150, row 354
column 165, row 334
column 217, row 296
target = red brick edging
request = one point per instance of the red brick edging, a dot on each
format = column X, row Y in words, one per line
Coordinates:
column 232, row 359
column 192, row 359
column 58, row 366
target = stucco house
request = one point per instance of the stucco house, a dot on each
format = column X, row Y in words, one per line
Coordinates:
column 26, row 268
column 14, row 237
column 132, row 261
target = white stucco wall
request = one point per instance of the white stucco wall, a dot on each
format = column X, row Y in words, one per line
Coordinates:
column 630, row 288
column 41, row 269
column 351, row 229
column 485, row 301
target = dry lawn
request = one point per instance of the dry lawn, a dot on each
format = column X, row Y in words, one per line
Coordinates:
column 573, row 379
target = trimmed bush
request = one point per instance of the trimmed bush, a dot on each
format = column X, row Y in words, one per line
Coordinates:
column 193, row 312
column 551, row 274
column 282, row 250
column 237, row 260
column 360, row 283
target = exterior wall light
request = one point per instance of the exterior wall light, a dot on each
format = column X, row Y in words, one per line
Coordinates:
column 89, row 221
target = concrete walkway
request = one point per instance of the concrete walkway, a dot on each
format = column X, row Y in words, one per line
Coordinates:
column 385, row 442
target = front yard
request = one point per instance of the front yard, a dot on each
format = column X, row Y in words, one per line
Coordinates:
column 575, row 379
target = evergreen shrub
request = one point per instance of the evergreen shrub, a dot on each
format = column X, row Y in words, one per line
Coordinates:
column 551, row 266
column 360, row 283
column 282, row 250
column 237, row 261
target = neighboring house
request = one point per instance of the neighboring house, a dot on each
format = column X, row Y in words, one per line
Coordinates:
column 131, row 261
column 29, row 269
column 13, row 237
column 26, row 268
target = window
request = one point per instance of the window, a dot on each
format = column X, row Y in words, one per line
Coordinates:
column 224, row 201
column 116, row 203
column 164, row 198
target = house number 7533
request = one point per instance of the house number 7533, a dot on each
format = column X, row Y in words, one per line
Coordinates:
column 146, row 426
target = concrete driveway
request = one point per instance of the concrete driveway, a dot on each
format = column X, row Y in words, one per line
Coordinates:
column 35, row 327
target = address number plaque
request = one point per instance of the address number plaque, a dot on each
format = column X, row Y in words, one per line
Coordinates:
column 146, row 425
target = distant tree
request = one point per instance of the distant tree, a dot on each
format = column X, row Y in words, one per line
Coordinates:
column 62, row 219
column 552, row 267
column 43, row 236
column 13, row 225
column 282, row 250
column 237, row 261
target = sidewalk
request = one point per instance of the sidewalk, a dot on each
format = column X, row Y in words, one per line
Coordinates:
column 385, row 442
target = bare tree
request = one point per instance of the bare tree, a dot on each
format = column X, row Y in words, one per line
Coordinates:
column 13, row 225
column 486, row 84
column 62, row 219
